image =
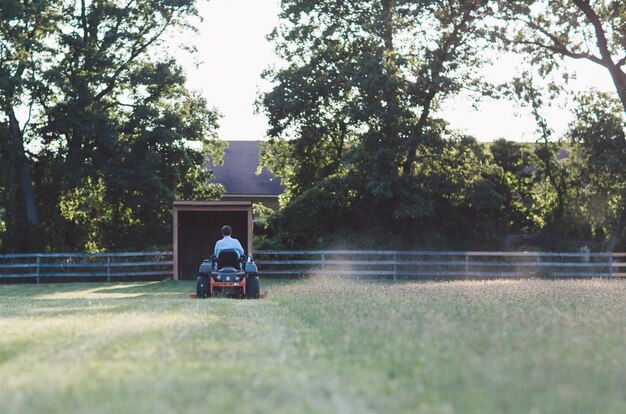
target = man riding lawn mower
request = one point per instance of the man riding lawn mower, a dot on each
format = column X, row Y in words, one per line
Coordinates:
column 228, row 275
column 229, row 272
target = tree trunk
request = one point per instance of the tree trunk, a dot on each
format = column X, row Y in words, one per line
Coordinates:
column 619, row 80
column 411, row 154
column 617, row 75
column 26, row 185
column 617, row 229
column 390, row 128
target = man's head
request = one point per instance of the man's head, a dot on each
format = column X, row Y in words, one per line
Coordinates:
column 227, row 231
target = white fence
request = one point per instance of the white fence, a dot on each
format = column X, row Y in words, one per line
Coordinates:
column 440, row 264
column 86, row 266
column 294, row 263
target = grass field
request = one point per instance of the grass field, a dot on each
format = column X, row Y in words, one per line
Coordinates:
column 317, row 345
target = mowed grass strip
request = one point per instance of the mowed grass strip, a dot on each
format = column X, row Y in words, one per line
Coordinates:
column 318, row 345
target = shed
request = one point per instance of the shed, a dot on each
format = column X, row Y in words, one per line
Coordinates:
column 197, row 226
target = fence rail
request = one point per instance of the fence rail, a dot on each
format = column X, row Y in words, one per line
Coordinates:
column 440, row 264
column 83, row 266
column 290, row 263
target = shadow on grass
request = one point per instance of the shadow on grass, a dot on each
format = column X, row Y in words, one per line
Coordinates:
column 65, row 299
column 82, row 294
column 76, row 290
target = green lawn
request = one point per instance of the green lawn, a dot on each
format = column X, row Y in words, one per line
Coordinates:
column 317, row 345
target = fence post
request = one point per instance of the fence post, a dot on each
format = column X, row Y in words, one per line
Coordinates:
column 395, row 266
column 323, row 263
column 466, row 265
column 610, row 265
column 38, row 266
column 538, row 264
column 108, row 268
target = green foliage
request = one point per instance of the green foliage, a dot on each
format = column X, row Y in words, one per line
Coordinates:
column 3, row 226
column 308, row 218
column 598, row 128
column 547, row 32
column 457, row 196
column 353, row 109
column 113, row 135
column 119, row 135
column 263, row 236
column 512, row 157
column 277, row 156
column 354, row 106
column 518, row 163
column 262, row 217
column 87, row 208
column 546, row 202
column 352, row 125
column 466, row 190
column 598, row 135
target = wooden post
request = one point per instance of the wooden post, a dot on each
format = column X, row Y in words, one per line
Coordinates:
column 538, row 264
column 395, row 266
column 610, row 265
column 38, row 267
column 250, row 231
column 108, row 268
column 466, row 265
column 175, row 241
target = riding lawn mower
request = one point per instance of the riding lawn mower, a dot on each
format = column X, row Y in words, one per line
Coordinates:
column 228, row 275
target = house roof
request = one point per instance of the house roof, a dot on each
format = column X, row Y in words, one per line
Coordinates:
column 238, row 172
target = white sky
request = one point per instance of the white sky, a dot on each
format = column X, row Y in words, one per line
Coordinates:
column 233, row 51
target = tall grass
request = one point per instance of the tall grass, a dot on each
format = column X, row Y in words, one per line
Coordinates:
column 318, row 345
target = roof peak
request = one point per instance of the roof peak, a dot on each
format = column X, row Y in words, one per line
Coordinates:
column 238, row 172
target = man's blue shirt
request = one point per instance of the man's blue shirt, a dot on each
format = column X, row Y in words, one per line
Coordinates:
column 228, row 243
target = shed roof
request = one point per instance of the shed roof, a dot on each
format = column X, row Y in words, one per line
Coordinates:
column 238, row 172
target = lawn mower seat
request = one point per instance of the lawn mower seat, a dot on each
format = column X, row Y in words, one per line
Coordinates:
column 229, row 258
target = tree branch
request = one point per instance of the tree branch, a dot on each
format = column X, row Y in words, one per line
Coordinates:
column 563, row 51
column 443, row 55
column 134, row 54
column 557, row 46
column 83, row 20
column 601, row 40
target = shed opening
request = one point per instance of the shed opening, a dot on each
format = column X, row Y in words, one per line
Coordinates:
column 197, row 226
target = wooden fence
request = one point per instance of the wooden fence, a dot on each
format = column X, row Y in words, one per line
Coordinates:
column 292, row 263
column 86, row 266
column 440, row 264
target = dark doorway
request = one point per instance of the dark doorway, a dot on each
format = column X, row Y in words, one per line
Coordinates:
column 199, row 230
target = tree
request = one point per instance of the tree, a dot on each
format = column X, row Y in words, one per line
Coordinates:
column 466, row 190
column 579, row 29
column 25, row 29
column 118, row 132
column 553, row 178
column 313, row 97
column 549, row 31
column 597, row 133
column 355, row 102
column 518, row 161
